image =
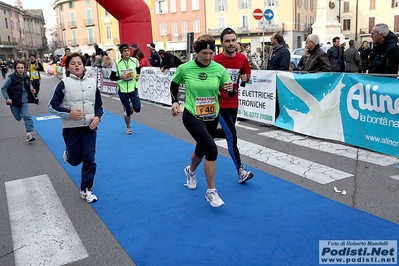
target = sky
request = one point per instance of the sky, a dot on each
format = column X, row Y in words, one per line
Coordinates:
column 45, row 5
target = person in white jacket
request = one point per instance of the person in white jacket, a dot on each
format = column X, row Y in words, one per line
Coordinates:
column 77, row 100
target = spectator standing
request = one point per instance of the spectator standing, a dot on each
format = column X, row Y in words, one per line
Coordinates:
column 237, row 66
column 10, row 64
column 67, row 52
column 88, row 61
column 155, row 59
column 135, row 50
column 18, row 93
column 4, row 68
column 304, row 59
column 144, row 62
column 384, row 57
column 126, row 71
column 34, row 68
column 364, row 51
column 336, row 56
column 279, row 59
column 279, row 55
column 318, row 60
column 98, row 50
column 106, row 60
column 240, row 48
column 352, row 58
column 168, row 60
column 80, row 115
column 203, row 78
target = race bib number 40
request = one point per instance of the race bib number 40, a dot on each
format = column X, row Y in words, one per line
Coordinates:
column 205, row 108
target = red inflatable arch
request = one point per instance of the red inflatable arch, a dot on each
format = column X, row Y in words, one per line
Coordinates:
column 134, row 21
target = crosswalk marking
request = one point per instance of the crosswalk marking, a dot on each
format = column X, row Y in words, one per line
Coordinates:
column 313, row 171
column 42, row 232
column 334, row 148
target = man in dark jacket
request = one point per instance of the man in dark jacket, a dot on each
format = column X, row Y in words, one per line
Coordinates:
column 168, row 60
column 155, row 60
column 384, row 57
column 364, row 51
column 336, row 56
column 318, row 59
column 279, row 55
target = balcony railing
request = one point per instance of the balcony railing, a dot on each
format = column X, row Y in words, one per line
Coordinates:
column 13, row 44
column 89, row 41
column 72, row 24
column 62, row 26
column 364, row 31
column 88, row 22
column 73, row 42
column 249, row 30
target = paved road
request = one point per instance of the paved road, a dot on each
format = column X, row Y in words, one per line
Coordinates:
column 370, row 180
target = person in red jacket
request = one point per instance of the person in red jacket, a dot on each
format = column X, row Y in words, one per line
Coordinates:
column 238, row 67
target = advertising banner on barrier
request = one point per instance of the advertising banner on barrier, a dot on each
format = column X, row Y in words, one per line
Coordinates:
column 257, row 98
column 356, row 109
column 155, row 85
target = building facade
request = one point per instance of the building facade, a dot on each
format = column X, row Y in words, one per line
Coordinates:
column 83, row 23
column 21, row 32
column 359, row 17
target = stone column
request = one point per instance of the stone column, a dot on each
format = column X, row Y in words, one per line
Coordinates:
column 326, row 25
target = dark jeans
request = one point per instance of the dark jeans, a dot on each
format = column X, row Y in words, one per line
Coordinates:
column 80, row 145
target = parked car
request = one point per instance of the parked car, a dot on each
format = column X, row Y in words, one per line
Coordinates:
column 296, row 55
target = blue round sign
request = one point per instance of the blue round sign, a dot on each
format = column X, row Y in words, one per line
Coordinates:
column 269, row 14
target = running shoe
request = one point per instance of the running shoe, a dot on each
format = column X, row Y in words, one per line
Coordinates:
column 29, row 137
column 244, row 175
column 129, row 131
column 191, row 182
column 88, row 196
column 214, row 199
column 65, row 156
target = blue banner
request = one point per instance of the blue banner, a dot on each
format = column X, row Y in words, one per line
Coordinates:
column 357, row 109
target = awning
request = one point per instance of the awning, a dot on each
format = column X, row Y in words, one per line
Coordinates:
column 245, row 40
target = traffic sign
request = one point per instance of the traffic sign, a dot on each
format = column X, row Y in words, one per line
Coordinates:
column 258, row 14
column 269, row 15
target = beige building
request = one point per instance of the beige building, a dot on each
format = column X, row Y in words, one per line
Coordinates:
column 359, row 17
column 292, row 18
column 21, row 31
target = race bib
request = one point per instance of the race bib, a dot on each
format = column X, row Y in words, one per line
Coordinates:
column 205, row 108
column 234, row 75
column 34, row 73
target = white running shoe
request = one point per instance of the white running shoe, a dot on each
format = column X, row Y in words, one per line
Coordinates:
column 65, row 156
column 214, row 199
column 129, row 131
column 191, row 182
column 88, row 196
column 244, row 175
column 29, row 137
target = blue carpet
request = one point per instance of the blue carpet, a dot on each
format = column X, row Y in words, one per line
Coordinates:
column 158, row 221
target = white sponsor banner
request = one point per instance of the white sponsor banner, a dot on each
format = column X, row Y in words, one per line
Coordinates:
column 257, row 99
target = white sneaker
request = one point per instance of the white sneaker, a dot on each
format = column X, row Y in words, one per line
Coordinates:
column 88, row 196
column 214, row 199
column 191, row 182
column 129, row 131
column 65, row 156
column 29, row 137
column 244, row 175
